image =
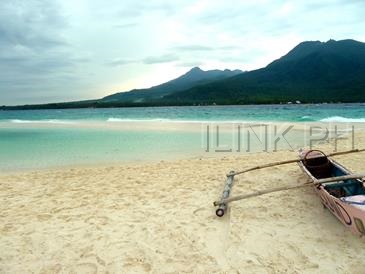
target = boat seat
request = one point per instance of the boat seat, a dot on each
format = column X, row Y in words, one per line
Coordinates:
column 351, row 187
column 357, row 201
column 340, row 184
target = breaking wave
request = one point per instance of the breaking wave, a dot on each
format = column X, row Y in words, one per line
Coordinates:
column 341, row 119
column 50, row 121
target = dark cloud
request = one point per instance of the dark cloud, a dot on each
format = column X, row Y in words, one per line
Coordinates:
column 31, row 24
column 34, row 54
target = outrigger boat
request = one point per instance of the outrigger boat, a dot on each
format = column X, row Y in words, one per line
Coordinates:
column 341, row 191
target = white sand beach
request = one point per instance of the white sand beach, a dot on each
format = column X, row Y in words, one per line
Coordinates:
column 159, row 218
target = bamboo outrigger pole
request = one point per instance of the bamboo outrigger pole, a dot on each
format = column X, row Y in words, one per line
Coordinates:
column 328, row 181
column 271, row 190
column 292, row 161
column 222, row 203
column 226, row 191
column 259, row 193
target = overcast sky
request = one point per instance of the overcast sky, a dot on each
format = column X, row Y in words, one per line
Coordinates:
column 61, row 50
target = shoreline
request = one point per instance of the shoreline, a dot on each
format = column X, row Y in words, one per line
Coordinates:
column 161, row 124
column 196, row 141
column 40, row 106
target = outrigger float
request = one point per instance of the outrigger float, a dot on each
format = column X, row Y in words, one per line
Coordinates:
column 341, row 191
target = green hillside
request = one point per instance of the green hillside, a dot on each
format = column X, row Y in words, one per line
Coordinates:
column 311, row 72
column 194, row 77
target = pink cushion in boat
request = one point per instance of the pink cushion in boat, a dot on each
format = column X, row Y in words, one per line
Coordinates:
column 356, row 200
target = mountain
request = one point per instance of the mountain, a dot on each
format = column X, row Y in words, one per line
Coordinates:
column 194, row 77
column 311, row 72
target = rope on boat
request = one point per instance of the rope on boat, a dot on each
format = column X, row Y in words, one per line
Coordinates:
column 226, row 191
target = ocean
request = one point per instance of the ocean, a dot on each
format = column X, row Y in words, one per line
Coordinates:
column 33, row 139
column 287, row 113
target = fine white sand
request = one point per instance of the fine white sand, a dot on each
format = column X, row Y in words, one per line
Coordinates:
column 159, row 218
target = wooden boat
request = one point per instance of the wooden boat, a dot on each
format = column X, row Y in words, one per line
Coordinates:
column 344, row 198
column 342, row 192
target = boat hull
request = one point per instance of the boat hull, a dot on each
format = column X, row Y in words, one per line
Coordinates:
column 351, row 216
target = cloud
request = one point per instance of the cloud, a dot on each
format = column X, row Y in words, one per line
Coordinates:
column 83, row 49
column 192, row 48
column 34, row 25
column 138, row 9
column 189, row 64
column 125, row 26
column 167, row 58
column 200, row 48
column 121, row 62
column 150, row 60
column 34, row 52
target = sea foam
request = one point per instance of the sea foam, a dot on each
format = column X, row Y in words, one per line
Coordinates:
column 162, row 120
column 112, row 119
column 341, row 119
column 49, row 121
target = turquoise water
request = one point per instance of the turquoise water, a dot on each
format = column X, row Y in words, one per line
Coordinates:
column 290, row 113
column 50, row 138
column 29, row 148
